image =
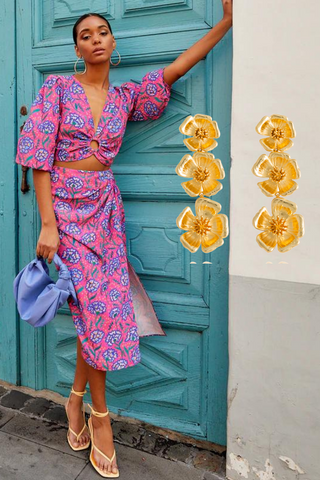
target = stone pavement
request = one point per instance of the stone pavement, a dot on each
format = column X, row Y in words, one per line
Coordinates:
column 33, row 445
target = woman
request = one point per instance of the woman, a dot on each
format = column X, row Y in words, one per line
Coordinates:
column 81, row 119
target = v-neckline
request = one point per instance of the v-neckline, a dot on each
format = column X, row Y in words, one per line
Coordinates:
column 90, row 109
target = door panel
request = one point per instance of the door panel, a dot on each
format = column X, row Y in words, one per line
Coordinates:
column 181, row 381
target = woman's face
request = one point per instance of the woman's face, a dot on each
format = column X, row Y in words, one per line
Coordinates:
column 93, row 33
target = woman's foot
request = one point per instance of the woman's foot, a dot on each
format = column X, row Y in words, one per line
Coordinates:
column 74, row 409
column 103, row 439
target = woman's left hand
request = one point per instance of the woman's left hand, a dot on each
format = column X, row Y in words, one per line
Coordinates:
column 227, row 9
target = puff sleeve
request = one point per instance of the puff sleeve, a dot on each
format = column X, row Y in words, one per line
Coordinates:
column 37, row 141
column 148, row 99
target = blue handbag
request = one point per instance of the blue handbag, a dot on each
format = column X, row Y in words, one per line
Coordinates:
column 37, row 296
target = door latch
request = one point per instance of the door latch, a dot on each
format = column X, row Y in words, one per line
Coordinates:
column 25, row 187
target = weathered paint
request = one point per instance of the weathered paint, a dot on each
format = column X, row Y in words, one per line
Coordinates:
column 291, row 464
column 239, row 465
column 268, row 474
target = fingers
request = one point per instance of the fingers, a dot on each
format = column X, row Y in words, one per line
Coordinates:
column 46, row 253
column 48, row 242
column 51, row 255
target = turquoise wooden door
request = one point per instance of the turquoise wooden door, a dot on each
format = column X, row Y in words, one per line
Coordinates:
column 181, row 381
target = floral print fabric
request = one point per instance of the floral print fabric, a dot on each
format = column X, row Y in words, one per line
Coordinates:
column 60, row 125
column 91, row 222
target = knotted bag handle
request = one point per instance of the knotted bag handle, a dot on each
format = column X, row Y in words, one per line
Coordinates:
column 64, row 281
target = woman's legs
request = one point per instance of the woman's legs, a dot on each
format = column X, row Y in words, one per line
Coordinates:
column 102, row 430
column 75, row 402
column 81, row 373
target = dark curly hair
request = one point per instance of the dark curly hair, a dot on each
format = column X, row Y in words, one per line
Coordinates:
column 74, row 30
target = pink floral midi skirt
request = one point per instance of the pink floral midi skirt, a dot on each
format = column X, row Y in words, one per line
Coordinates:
column 113, row 309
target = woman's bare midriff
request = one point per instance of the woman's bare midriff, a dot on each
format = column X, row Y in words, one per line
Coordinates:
column 89, row 163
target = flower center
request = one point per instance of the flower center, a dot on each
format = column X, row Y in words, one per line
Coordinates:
column 201, row 174
column 277, row 174
column 201, row 133
column 278, row 226
column 201, row 226
column 277, row 133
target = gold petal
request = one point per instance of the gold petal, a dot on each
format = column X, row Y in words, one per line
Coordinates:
column 219, row 224
column 262, row 166
column 292, row 169
column 268, row 143
column 283, row 208
column 202, row 117
column 268, row 187
column 218, row 169
column 279, row 159
column 287, row 241
column 188, row 126
column 275, row 118
column 206, row 122
column 208, row 144
column 284, row 144
column 186, row 219
column 267, row 240
column 265, row 126
column 192, row 143
column 191, row 241
column 211, row 187
column 295, row 225
column 192, row 187
column 213, row 127
column 203, row 205
column 287, row 186
column 186, row 166
column 282, row 122
column 211, row 242
column 262, row 219
column 290, row 124
column 203, row 159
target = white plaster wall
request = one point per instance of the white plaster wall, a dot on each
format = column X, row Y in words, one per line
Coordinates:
column 274, row 308
column 274, row 386
column 276, row 70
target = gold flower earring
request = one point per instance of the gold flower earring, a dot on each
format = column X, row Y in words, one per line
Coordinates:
column 208, row 227
column 75, row 67
column 284, row 227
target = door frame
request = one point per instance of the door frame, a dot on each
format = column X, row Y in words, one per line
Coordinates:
column 9, row 338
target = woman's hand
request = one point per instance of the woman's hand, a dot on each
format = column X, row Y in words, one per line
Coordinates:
column 48, row 242
column 227, row 9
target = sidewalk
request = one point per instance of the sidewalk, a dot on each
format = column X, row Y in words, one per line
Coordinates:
column 33, row 444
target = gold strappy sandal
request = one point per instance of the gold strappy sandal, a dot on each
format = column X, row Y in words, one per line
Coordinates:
column 81, row 447
column 92, row 460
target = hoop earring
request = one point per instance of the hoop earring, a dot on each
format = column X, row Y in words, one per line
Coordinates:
column 119, row 59
column 75, row 67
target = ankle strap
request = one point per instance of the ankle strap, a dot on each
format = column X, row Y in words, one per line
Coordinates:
column 80, row 394
column 98, row 414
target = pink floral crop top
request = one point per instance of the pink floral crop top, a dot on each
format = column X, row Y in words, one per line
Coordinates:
column 60, row 125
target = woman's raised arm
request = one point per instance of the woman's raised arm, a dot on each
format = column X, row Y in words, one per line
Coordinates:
column 196, row 52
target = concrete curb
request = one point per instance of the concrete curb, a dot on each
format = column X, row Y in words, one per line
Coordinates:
column 129, row 432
